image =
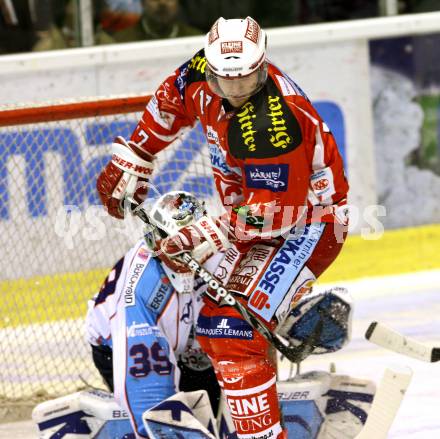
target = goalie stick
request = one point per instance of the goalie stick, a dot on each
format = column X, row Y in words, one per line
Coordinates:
column 387, row 338
column 386, row 403
column 295, row 354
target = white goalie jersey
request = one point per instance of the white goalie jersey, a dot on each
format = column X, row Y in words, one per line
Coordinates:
column 149, row 327
column 174, row 314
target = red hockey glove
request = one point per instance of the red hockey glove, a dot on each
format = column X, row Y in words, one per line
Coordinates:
column 202, row 239
column 125, row 175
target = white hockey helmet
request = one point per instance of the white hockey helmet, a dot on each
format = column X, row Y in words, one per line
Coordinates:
column 235, row 49
column 171, row 212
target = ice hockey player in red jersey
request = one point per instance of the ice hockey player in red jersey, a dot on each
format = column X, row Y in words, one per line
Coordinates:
column 280, row 178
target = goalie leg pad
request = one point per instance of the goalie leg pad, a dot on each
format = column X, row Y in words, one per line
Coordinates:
column 83, row 415
column 323, row 405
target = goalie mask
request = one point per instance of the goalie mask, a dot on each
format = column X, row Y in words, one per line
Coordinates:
column 235, row 52
column 168, row 214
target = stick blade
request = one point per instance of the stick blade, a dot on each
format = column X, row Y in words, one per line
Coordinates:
column 386, row 403
column 370, row 330
column 387, row 338
column 435, row 355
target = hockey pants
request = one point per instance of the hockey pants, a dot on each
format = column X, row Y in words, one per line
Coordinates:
column 244, row 361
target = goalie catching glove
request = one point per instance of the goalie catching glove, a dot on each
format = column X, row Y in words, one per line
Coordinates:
column 125, row 176
column 333, row 308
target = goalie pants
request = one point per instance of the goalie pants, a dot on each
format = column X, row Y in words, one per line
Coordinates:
column 244, row 361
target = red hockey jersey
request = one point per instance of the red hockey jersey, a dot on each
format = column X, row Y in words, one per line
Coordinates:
column 274, row 160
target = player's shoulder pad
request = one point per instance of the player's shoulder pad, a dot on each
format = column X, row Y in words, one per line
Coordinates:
column 190, row 72
column 286, row 85
column 293, row 95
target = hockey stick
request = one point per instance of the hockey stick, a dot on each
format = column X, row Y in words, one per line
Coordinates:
column 387, row 338
column 386, row 403
column 295, row 354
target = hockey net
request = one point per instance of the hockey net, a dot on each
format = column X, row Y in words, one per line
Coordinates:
column 58, row 242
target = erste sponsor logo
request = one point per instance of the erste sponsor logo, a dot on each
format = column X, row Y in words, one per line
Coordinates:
column 160, row 295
